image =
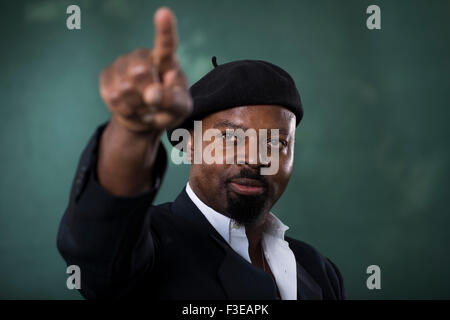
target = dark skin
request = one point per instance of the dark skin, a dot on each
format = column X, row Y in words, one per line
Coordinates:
column 147, row 93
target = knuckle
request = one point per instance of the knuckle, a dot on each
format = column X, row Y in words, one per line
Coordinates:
column 113, row 97
column 120, row 64
column 125, row 85
column 140, row 72
column 153, row 95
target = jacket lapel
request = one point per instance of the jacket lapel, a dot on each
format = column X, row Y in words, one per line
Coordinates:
column 239, row 279
column 242, row 280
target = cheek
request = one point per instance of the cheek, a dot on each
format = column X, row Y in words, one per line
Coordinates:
column 286, row 161
column 281, row 179
column 212, row 176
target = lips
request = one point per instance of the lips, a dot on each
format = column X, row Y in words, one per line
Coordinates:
column 247, row 186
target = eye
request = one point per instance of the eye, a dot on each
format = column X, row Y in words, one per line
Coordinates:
column 228, row 136
column 276, row 143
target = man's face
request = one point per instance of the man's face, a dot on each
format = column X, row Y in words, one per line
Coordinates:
column 239, row 190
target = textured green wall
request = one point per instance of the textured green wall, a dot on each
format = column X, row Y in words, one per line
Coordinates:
column 371, row 182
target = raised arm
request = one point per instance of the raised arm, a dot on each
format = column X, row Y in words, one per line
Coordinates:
column 105, row 229
column 146, row 92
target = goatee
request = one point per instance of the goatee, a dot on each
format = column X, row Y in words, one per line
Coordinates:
column 247, row 209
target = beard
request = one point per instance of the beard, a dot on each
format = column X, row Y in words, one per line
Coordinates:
column 247, row 209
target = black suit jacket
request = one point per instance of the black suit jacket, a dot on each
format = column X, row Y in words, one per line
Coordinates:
column 127, row 248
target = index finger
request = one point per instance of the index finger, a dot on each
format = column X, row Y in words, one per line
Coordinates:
column 165, row 39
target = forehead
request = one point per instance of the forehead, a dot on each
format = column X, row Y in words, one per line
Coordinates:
column 256, row 117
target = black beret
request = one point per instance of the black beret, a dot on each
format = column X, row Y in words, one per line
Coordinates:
column 242, row 83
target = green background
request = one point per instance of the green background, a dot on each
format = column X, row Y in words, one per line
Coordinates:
column 371, row 182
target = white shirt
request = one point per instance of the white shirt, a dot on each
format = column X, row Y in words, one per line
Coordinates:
column 279, row 256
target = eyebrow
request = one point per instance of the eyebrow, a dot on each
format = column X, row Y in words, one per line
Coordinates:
column 229, row 124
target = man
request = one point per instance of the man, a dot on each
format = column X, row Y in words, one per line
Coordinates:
column 218, row 239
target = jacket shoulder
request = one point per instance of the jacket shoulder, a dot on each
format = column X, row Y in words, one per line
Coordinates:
column 304, row 251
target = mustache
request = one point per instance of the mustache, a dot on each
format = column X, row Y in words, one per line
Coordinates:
column 250, row 174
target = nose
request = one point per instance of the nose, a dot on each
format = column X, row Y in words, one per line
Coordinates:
column 252, row 157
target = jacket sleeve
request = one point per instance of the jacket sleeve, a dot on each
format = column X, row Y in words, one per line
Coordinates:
column 106, row 236
column 337, row 281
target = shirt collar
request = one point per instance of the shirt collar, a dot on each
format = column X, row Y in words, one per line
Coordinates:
column 222, row 223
